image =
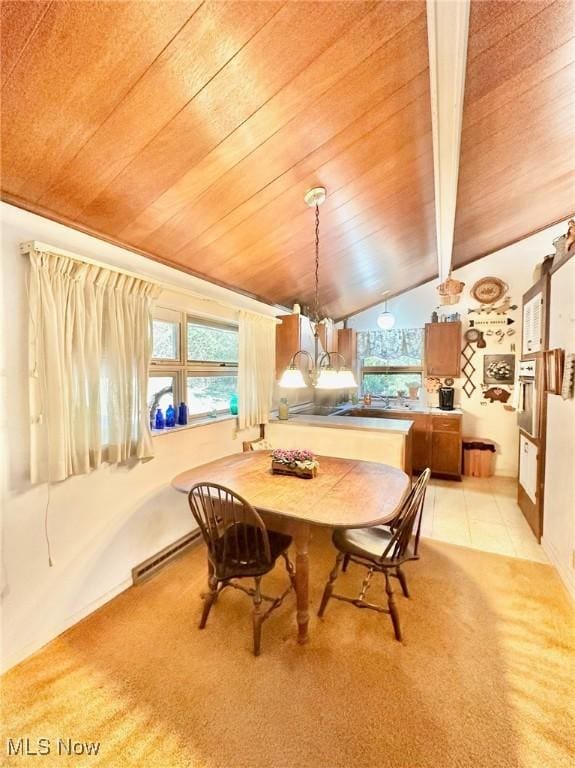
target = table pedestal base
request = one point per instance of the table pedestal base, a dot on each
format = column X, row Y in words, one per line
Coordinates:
column 301, row 541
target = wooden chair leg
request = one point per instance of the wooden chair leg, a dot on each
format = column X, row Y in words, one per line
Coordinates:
column 329, row 586
column 257, row 616
column 209, row 598
column 402, row 581
column 289, row 568
column 345, row 563
column 392, row 607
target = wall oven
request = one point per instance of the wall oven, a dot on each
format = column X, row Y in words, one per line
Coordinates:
column 528, row 410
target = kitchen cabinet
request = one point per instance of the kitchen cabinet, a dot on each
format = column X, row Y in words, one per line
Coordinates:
column 436, row 442
column 443, row 349
column 535, row 319
column 347, row 346
column 295, row 332
column 421, row 443
column 446, row 446
column 532, row 329
column 530, row 488
column 327, row 337
column 528, row 467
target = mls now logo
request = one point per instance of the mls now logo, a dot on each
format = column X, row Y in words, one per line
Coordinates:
column 26, row 747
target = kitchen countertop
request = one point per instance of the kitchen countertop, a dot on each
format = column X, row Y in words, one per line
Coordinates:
column 396, row 409
column 397, row 426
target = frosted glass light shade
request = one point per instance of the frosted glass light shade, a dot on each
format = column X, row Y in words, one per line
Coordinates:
column 346, row 379
column 292, row 378
column 386, row 320
column 328, row 379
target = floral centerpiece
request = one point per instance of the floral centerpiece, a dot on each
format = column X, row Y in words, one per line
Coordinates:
column 294, row 462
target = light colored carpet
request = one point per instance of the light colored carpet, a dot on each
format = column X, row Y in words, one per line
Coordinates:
column 484, row 677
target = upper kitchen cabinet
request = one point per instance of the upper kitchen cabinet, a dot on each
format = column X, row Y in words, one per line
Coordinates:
column 347, row 346
column 327, row 335
column 295, row 332
column 535, row 322
column 443, row 349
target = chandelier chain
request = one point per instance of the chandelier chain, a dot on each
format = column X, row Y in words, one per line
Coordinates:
column 316, row 307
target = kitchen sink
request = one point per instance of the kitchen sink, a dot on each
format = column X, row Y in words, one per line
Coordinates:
column 317, row 410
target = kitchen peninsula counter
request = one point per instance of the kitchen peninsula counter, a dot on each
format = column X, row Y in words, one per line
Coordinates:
column 387, row 441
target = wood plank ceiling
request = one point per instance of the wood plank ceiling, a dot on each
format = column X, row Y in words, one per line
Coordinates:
column 190, row 131
column 517, row 166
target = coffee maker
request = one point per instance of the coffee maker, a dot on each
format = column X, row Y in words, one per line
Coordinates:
column 446, row 393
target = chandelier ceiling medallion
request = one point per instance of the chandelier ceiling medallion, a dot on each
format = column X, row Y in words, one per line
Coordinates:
column 322, row 373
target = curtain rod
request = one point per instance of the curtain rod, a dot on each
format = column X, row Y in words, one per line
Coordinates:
column 35, row 245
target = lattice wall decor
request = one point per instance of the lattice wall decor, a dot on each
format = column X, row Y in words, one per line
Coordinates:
column 468, row 369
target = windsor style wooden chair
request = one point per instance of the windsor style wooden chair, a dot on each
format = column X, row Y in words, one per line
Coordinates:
column 239, row 546
column 381, row 550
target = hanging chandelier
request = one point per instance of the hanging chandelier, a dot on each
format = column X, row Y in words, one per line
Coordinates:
column 322, row 373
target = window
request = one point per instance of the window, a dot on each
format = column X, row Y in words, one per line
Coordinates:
column 391, row 361
column 212, row 344
column 161, row 391
column 204, row 393
column 193, row 360
column 166, row 337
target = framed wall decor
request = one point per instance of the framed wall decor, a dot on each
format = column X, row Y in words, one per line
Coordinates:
column 554, row 361
column 498, row 369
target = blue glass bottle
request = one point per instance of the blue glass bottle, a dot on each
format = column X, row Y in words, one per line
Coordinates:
column 170, row 416
column 182, row 414
column 234, row 404
column 160, row 423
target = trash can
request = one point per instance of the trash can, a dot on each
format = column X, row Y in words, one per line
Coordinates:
column 478, row 457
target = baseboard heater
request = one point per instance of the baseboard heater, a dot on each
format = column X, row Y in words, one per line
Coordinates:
column 153, row 564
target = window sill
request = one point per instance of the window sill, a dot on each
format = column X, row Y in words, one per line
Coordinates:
column 200, row 422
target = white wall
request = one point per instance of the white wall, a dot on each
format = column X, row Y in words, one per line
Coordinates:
column 102, row 524
column 413, row 309
column 559, row 507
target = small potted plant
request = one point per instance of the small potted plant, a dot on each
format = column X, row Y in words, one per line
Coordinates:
column 413, row 387
column 299, row 462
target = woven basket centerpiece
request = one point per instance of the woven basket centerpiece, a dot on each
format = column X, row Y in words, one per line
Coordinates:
column 298, row 462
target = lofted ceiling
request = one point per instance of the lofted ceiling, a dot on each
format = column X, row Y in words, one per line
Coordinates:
column 190, row 131
column 517, row 165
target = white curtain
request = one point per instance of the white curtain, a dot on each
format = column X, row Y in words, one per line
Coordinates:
column 256, row 368
column 90, row 348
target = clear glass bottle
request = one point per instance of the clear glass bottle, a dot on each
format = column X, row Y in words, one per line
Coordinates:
column 283, row 409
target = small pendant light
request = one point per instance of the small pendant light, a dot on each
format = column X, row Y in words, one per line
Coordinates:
column 385, row 319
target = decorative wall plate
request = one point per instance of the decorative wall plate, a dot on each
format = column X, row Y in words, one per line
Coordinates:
column 489, row 289
column 472, row 335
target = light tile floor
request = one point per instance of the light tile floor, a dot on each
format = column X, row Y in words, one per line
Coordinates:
column 481, row 513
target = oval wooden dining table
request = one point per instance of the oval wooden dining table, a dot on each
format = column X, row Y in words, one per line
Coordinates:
column 346, row 493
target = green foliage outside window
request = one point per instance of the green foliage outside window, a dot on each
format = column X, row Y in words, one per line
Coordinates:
column 390, row 384
column 165, row 340
column 212, row 344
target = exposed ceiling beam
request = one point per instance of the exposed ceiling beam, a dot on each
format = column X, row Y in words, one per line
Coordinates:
column 447, row 31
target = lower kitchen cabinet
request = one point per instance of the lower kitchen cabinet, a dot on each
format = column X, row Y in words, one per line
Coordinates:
column 436, row 443
column 420, row 441
column 446, row 446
